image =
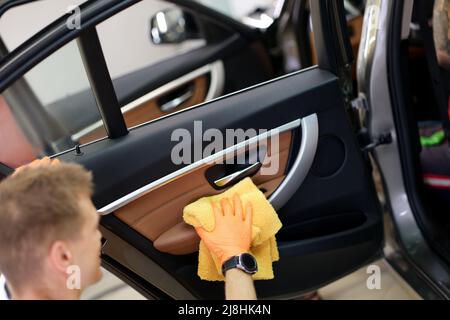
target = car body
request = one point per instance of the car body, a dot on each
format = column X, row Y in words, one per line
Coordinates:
column 239, row 77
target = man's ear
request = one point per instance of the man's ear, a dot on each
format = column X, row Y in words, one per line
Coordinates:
column 60, row 256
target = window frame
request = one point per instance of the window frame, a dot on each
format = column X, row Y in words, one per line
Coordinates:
column 15, row 64
column 101, row 83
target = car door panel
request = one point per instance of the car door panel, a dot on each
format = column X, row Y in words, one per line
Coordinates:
column 253, row 108
column 331, row 223
column 323, row 192
column 151, row 106
column 158, row 214
column 188, row 95
column 137, row 84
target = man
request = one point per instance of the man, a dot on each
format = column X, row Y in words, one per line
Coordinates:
column 49, row 234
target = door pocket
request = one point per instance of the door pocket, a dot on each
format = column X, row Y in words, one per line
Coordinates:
column 322, row 226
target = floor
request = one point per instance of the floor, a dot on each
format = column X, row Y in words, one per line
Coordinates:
column 354, row 286
column 111, row 288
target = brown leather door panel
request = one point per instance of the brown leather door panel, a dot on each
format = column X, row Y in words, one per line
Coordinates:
column 158, row 214
column 182, row 239
column 150, row 110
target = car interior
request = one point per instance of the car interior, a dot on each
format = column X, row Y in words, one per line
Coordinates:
column 319, row 224
column 425, row 86
column 330, row 212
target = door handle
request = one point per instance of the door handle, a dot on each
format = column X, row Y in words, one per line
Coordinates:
column 178, row 101
column 302, row 164
column 238, row 175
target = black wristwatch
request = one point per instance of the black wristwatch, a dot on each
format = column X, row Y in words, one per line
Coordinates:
column 245, row 262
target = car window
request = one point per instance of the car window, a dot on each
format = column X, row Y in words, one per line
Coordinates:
column 49, row 110
column 126, row 39
column 20, row 23
column 131, row 52
column 133, row 41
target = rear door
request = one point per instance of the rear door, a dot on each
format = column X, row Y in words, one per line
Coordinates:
column 307, row 163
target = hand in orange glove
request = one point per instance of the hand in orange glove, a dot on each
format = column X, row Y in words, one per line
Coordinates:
column 232, row 234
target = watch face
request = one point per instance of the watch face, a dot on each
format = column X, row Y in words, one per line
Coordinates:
column 248, row 261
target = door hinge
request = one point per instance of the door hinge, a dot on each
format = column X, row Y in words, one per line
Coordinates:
column 382, row 139
column 360, row 110
column 367, row 142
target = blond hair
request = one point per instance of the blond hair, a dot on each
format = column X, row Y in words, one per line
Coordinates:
column 38, row 206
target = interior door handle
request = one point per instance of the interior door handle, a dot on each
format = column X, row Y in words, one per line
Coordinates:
column 178, row 101
column 238, row 175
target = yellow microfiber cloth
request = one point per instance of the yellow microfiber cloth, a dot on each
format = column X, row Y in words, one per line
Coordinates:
column 265, row 225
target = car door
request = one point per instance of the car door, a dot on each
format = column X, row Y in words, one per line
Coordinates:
column 321, row 186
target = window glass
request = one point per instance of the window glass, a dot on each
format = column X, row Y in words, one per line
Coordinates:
column 20, row 23
column 142, row 43
column 131, row 55
column 49, row 110
column 126, row 39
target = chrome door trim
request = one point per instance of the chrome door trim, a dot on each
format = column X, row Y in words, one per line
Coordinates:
column 309, row 144
column 217, row 80
column 195, row 106
column 302, row 164
column 177, row 102
column 232, row 178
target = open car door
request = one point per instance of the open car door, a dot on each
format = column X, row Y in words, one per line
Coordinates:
column 322, row 188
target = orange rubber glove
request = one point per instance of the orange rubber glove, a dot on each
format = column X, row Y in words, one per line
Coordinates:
column 232, row 234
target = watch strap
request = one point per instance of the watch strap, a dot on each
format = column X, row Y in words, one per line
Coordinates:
column 231, row 263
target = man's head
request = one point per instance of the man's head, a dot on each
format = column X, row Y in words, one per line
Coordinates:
column 48, row 225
